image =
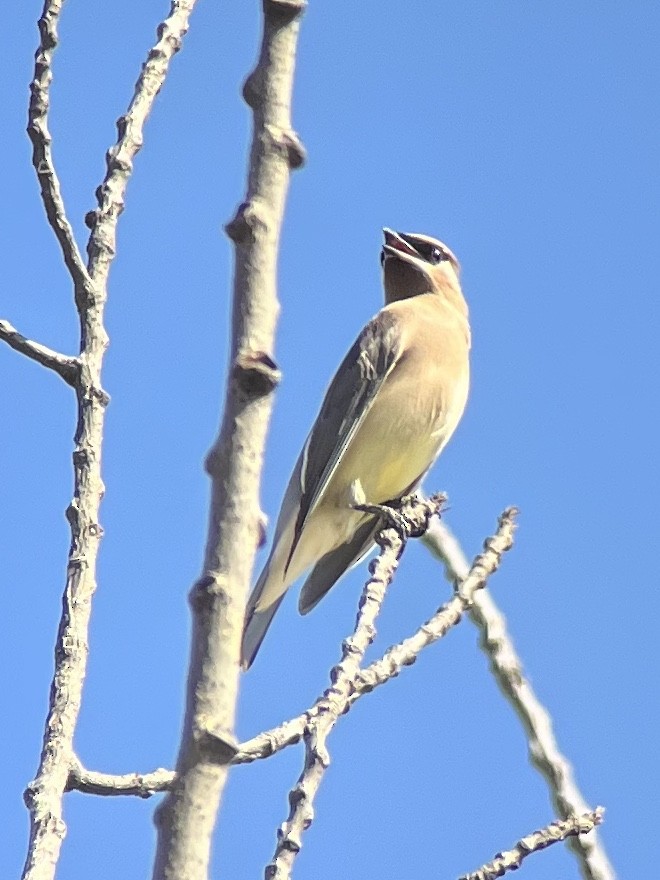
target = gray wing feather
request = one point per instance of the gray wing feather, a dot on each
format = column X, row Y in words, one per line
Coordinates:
column 332, row 566
column 346, row 403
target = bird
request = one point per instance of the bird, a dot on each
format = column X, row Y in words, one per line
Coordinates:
column 390, row 409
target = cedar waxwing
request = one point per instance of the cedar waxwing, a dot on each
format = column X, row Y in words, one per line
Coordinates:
column 392, row 406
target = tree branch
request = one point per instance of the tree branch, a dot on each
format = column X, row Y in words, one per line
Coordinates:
column 42, row 157
column 572, row 827
column 186, row 818
column 398, row 656
column 44, row 795
column 377, row 673
column 67, row 367
column 507, row 667
column 334, row 703
column 110, row 195
column 142, row 785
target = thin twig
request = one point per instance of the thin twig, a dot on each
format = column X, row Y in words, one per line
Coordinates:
column 44, row 795
column 507, row 667
column 67, row 367
column 110, row 195
column 335, row 701
column 397, row 657
column 186, row 818
column 42, row 157
column 142, row 785
column 511, row 860
column 406, row 653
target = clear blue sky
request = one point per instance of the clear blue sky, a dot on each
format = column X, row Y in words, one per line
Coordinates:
column 522, row 135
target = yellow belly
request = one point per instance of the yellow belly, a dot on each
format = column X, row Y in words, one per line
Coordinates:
column 395, row 445
column 385, row 463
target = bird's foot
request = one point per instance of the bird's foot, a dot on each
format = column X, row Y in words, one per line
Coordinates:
column 389, row 516
column 409, row 515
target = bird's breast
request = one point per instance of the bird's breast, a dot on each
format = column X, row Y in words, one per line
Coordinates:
column 401, row 435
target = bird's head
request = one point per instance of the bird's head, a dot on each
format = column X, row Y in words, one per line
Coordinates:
column 414, row 264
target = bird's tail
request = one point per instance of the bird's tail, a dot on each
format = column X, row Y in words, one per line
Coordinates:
column 266, row 597
column 256, row 627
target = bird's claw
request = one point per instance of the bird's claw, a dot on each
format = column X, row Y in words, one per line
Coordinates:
column 392, row 513
column 388, row 515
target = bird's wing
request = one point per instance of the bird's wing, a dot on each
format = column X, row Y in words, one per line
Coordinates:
column 347, row 401
column 332, row 566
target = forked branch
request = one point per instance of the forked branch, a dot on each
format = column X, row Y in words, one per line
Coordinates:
column 365, row 680
column 44, row 795
column 507, row 667
column 348, row 679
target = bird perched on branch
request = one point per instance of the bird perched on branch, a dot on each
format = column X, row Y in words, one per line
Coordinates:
column 391, row 407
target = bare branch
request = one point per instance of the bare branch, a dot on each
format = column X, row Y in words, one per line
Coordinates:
column 110, row 195
column 42, row 157
column 67, row 367
column 507, row 667
column 404, row 654
column 186, row 818
column 573, row 826
column 379, row 672
column 139, row 784
column 44, row 795
column 335, row 701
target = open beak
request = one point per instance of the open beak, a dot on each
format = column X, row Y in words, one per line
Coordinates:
column 397, row 247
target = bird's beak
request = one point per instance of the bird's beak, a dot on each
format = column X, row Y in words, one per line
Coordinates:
column 396, row 246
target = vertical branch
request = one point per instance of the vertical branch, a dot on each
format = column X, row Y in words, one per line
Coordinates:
column 186, row 818
column 509, row 673
column 44, row 794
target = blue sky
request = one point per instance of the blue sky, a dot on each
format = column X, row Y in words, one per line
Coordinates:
column 523, row 136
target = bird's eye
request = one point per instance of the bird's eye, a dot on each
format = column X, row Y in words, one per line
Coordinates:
column 436, row 255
